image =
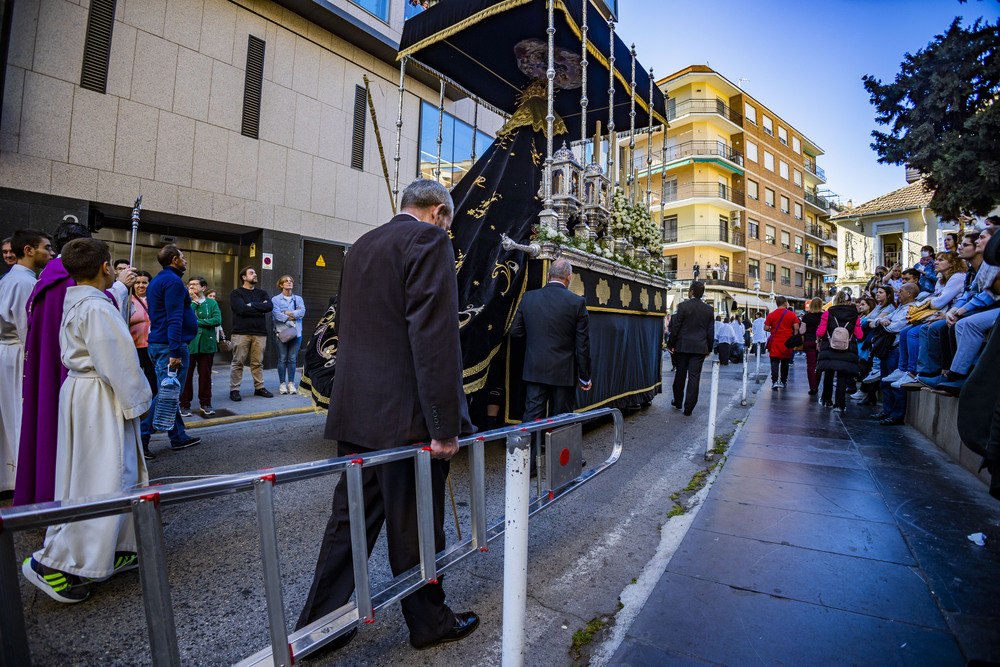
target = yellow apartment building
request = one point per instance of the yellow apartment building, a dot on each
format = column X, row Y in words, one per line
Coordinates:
column 736, row 190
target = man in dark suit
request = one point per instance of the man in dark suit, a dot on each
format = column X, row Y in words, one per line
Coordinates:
column 556, row 327
column 692, row 332
column 398, row 382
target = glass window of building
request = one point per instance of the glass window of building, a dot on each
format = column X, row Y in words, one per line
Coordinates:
column 750, row 113
column 751, row 189
column 783, row 169
column 768, row 161
column 797, row 177
column 770, row 269
column 768, row 125
column 456, row 145
column 379, row 8
column 798, row 211
column 798, row 244
column 753, row 229
column 670, row 229
column 769, row 234
column 751, row 151
column 786, row 240
column 786, row 276
column 670, row 266
column 753, row 268
column 769, row 197
column 796, row 145
column 784, row 204
column 782, row 135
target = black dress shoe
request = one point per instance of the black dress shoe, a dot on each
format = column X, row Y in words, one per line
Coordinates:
column 675, row 404
column 263, row 391
column 687, row 413
column 891, row 421
column 235, row 396
column 464, row 626
column 337, row 644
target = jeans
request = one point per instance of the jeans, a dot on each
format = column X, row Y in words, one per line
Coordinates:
column 909, row 347
column 893, row 400
column 287, row 354
column 159, row 353
column 929, row 358
column 971, row 332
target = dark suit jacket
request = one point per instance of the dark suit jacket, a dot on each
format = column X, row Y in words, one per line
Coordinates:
column 399, row 362
column 692, row 329
column 557, row 328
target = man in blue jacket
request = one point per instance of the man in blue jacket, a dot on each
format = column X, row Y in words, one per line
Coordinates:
column 172, row 326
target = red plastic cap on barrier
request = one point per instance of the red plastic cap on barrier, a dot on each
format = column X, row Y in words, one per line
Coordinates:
column 370, row 620
column 268, row 478
column 481, row 438
column 432, row 581
column 360, row 462
column 291, row 655
column 151, row 498
column 484, row 549
column 426, row 449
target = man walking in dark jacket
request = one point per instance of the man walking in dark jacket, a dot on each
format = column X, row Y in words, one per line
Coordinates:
column 172, row 326
column 556, row 327
column 249, row 305
column 692, row 332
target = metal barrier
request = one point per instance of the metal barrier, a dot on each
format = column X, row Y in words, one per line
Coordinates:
column 145, row 505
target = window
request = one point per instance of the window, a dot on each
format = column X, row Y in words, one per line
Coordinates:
column 769, row 234
column 750, row 113
column 379, row 8
column 798, row 244
column 786, row 240
column 769, row 197
column 753, row 268
column 751, row 151
column 768, row 126
column 768, row 161
column 670, row 190
column 670, row 229
column 751, row 189
column 783, row 169
column 798, row 279
column 670, row 266
column 796, row 145
column 798, row 211
column 770, row 272
column 797, row 177
column 784, row 204
column 809, row 220
column 724, row 228
column 782, row 135
column 456, row 145
column 786, row 276
column 753, row 229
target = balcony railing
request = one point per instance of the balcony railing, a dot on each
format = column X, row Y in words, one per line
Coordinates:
column 710, row 277
column 703, row 189
column 684, row 107
column 816, row 200
column 706, row 233
column 821, row 232
column 821, row 264
column 692, row 148
column 814, row 168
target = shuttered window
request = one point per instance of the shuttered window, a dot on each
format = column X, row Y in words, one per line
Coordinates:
column 358, row 140
column 97, row 45
column 251, row 89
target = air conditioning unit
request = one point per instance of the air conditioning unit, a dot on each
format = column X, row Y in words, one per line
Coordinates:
column 736, row 219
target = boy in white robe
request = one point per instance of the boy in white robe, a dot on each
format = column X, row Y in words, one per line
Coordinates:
column 32, row 251
column 98, row 446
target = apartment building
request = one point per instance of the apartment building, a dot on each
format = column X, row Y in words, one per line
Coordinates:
column 243, row 124
column 740, row 192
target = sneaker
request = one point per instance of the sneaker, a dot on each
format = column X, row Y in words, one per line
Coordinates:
column 263, row 392
column 235, row 396
column 952, row 388
column 912, row 385
column 185, row 411
column 780, row 385
column 124, row 561
column 931, row 382
column 60, row 586
column 282, row 389
column 872, row 377
column 907, row 377
column 859, row 395
column 148, row 455
column 187, row 442
column 895, row 375
column 774, row 386
column 207, row 410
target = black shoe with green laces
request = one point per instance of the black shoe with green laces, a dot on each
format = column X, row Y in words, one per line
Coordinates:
column 124, row 561
column 60, row 586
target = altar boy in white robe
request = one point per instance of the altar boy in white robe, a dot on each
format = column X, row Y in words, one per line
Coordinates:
column 98, row 446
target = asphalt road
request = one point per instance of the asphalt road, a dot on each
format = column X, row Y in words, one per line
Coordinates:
column 583, row 551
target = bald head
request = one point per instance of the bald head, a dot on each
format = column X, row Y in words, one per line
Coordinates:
column 908, row 293
column 561, row 270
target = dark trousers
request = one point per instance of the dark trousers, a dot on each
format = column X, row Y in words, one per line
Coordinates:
column 843, row 380
column 203, row 362
column 389, row 497
column 148, row 369
column 723, row 353
column 810, row 349
column 779, row 369
column 558, row 398
column 689, row 372
column 893, row 400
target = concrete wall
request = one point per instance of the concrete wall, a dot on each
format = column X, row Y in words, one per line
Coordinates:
column 937, row 418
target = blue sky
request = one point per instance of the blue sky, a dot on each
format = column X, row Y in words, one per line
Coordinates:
column 804, row 60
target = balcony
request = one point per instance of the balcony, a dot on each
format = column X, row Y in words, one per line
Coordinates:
column 704, row 234
column 814, row 169
column 704, row 190
column 727, row 279
column 816, row 201
column 689, row 106
column 691, row 149
column 821, row 265
column 824, row 235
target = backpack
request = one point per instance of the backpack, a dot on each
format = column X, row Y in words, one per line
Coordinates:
column 840, row 339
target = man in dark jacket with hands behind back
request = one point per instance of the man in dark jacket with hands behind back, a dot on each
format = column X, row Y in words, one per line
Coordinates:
column 692, row 333
column 249, row 305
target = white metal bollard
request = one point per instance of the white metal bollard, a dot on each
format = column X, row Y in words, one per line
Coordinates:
column 515, row 548
column 713, row 405
column 746, row 367
column 756, row 370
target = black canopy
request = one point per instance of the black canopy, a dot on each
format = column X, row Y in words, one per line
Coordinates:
column 496, row 48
